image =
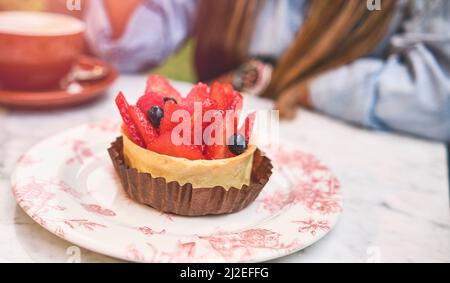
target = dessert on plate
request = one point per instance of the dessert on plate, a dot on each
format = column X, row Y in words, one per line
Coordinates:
column 189, row 155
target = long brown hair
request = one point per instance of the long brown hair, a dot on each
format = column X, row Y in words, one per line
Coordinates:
column 334, row 33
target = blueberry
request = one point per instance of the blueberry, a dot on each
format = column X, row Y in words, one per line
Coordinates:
column 154, row 115
column 170, row 99
column 237, row 144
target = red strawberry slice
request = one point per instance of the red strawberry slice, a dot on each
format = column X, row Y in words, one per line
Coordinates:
column 149, row 100
column 207, row 105
column 226, row 97
column 166, row 123
column 218, row 151
column 212, row 152
column 198, row 93
column 218, row 94
column 132, row 131
column 147, row 132
column 160, row 85
column 163, row 145
column 247, row 127
column 222, row 151
column 237, row 102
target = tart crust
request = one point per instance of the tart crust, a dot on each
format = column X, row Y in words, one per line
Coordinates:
column 228, row 173
column 171, row 197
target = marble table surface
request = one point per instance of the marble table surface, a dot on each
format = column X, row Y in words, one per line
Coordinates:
column 395, row 187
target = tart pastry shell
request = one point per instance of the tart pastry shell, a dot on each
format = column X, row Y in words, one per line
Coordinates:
column 185, row 199
column 230, row 172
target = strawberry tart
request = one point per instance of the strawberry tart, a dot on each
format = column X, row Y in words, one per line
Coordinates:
column 189, row 155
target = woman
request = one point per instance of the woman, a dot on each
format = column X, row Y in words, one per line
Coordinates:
column 386, row 69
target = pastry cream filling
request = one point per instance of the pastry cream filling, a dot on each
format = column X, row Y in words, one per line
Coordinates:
column 231, row 172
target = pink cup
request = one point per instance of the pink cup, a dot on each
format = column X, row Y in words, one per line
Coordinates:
column 37, row 50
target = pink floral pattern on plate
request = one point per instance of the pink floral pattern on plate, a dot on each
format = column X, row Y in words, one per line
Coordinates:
column 73, row 195
column 27, row 160
column 312, row 226
column 316, row 189
column 37, row 198
column 95, row 208
column 80, row 151
column 241, row 246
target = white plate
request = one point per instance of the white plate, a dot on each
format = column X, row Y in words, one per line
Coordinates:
column 68, row 185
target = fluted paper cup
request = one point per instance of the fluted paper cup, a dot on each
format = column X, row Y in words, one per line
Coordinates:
column 171, row 197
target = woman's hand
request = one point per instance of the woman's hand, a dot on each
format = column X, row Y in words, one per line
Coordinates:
column 289, row 100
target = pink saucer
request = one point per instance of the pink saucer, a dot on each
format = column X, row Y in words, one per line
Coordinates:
column 74, row 94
